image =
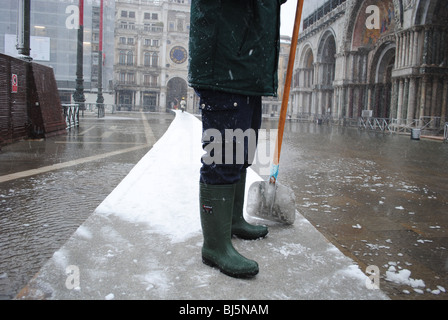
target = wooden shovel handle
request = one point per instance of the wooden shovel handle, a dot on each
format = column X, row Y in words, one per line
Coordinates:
column 289, row 73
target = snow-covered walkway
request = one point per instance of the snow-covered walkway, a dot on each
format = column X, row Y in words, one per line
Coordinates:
column 144, row 242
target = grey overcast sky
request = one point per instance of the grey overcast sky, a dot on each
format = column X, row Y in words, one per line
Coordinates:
column 289, row 13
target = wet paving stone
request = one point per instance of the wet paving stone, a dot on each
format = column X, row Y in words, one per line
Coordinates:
column 381, row 199
column 39, row 213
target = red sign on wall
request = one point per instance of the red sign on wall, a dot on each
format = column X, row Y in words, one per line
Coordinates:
column 14, row 83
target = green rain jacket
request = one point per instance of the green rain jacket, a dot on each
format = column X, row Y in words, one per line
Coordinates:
column 234, row 46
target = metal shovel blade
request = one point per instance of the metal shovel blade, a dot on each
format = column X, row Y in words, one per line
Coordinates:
column 271, row 201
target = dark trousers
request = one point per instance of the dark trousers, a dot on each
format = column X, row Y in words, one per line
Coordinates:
column 230, row 124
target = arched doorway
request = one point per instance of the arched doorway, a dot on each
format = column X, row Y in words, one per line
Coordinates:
column 176, row 89
column 372, row 59
column 383, row 82
column 327, row 66
column 304, row 82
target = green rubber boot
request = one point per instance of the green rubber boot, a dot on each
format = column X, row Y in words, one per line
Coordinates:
column 216, row 205
column 240, row 227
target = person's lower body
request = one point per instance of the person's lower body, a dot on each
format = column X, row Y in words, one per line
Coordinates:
column 230, row 135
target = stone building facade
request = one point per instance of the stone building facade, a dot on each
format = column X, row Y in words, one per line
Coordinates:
column 151, row 54
column 385, row 56
column 151, row 57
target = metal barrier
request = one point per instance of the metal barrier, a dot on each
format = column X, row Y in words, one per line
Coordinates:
column 381, row 124
column 71, row 114
column 431, row 125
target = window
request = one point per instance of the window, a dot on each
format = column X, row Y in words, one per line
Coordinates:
column 131, row 41
column 153, row 43
column 130, row 78
column 147, row 16
column 147, row 59
column 150, row 80
column 151, row 59
column 147, row 79
column 130, row 58
column 156, row 28
column 154, row 81
column 155, row 60
column 122, row 58
column 155, row 16
column 122, row 40
column 126, row 14
column 122, row 77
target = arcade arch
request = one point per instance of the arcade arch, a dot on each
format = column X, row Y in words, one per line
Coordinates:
column 326, row 67
column 398, row 71
column 304, row 83
column 381, row 80
column 177, row 88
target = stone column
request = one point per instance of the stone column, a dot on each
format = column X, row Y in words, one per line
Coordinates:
column 394, row 99
column 412, row 99
column 426, row 47
column 403, row 47
column 398, row 52
column 369, row 97
column 424, row 84
column 349, row 93
column 437, row 45
column 404, row 108
column 411, row 48
column 444, row 40
column 416, row 45
column 430, row 46
column 334, row 106
column 341, row 106
column 444, row 102
column 434, row 106
column 377, row 112
column 400, row 100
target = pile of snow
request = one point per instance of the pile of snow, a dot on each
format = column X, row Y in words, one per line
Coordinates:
column 403, row 277
column 133, row 199
column 173, row 158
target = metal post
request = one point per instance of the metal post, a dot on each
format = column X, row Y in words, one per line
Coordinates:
column 78, row 96
column 23, row 30
column 100, row 99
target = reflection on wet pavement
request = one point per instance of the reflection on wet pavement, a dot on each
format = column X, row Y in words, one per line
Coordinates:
column 381, row 199
column 40, row 212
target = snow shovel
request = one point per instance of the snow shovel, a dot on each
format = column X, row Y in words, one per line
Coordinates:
column 270, row 199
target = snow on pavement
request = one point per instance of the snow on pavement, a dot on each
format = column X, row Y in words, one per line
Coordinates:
column 144, row 242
